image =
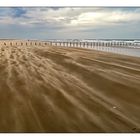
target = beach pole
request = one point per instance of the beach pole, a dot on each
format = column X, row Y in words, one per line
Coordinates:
column 90, row 45
column 81, row 44
column 93, row 44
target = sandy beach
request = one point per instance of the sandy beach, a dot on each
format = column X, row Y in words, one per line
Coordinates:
column 58, row 89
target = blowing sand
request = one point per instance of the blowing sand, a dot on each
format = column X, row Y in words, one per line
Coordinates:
column 52, row 89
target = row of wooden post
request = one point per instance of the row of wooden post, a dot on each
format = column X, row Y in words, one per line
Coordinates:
column 92, row 44
column 73, row 44
column 26, row 43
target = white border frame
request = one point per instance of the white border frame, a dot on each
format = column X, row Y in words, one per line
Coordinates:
column 70, row 3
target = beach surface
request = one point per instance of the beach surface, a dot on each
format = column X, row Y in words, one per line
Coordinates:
column 57, row 89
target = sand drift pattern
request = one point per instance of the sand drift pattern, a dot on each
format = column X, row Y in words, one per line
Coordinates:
column 58, row 89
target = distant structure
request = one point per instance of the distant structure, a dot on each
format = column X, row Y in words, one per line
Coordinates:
column 98, row 43
column 75, row 43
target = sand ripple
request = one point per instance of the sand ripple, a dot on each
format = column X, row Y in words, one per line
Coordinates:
column 52, row 89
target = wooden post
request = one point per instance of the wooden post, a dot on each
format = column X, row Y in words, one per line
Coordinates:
column 87, row 44
column 97, row 43
column 93, row 44
column 81, row 45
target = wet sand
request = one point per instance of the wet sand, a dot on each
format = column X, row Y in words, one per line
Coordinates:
column 53, row 89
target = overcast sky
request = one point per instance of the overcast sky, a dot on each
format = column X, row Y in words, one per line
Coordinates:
column 70, row 23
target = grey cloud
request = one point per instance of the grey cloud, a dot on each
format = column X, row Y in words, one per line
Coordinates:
column 55, row 22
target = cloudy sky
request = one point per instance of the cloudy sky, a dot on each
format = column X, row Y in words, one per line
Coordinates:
column 69, row 23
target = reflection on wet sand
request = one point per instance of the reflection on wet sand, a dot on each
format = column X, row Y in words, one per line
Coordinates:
column 56, row 89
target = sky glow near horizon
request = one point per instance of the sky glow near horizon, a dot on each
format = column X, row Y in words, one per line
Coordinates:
column 70, row 23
